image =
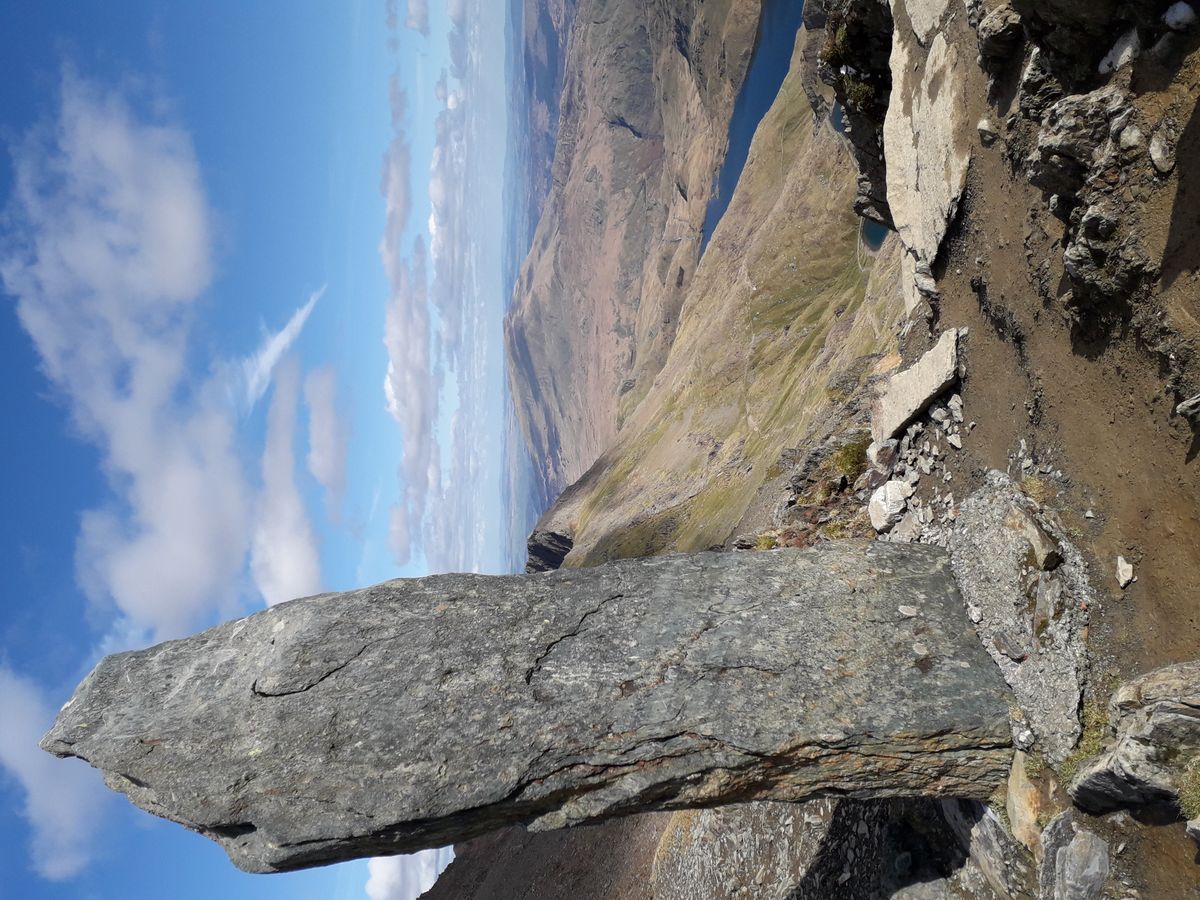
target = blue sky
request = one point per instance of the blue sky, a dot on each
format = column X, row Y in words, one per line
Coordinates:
column 251, row 349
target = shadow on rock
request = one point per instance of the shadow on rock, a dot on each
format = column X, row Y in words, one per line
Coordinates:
column 873, row 849
column 1182, row 252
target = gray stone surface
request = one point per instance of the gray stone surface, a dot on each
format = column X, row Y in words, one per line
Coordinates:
column 422, row 712
column 927, row 138
column 1082, row 868
column 1155, row 726
column 908, row 393
column 1030, row 621
column 1076, row 862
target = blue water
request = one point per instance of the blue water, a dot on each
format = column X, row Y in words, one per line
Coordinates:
column 769, row 67
column 873, row 233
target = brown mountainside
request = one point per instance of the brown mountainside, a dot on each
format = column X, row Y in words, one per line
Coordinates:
column 647, row 96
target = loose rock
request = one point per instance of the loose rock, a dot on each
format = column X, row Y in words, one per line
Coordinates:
column 1162, row 153
column 1124, row 572
column 908, row 393
column 888, row 504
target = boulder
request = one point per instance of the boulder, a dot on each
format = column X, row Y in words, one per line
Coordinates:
column 908, row 393
column 1075, row 864
column 888, row 504
column 1000, row 35
column 1154, row 724
column 423, row 712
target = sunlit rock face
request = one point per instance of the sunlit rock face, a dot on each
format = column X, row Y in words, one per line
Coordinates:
column 419, row 713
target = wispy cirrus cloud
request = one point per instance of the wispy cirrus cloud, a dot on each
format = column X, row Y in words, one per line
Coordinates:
column 255, row 371
column 63, row 801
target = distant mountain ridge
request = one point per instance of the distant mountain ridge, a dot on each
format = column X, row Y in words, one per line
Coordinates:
column 647, row 94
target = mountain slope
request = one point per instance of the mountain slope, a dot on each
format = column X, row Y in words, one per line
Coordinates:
column 646, row 101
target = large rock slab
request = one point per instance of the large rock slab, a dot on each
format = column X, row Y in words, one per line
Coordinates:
column 908, row 393
column 926, row 137
column 422, row 712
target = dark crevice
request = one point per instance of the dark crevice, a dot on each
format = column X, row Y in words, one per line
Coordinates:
column 537, row 663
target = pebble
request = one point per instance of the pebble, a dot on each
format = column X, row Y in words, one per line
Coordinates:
column 954, row 441
column 908, row 611
column 1125, row 576
column 920, row 649
column 1162, row 154
column 1089, row 515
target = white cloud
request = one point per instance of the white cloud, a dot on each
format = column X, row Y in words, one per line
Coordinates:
column 64, row 800
column 108, row 244
column 283, row 554
column 418, row 16
column 328, row 437
column 256, row 370
column 405, row 877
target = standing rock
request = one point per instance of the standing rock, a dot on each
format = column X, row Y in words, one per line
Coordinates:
column 1024, row 806
column 1155, row 724
column 1075, row 863
column 422, row 712
column 926, row 140
column 908, row 393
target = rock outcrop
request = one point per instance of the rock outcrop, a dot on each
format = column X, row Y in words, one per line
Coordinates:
column 546, row 550
column 417, row 713
column 1155, row 731
column 926, row 138
column 1028, row 593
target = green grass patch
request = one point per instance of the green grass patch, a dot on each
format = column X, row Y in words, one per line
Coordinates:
column 1189, row 790
column 851, row 460
column 1094, row 719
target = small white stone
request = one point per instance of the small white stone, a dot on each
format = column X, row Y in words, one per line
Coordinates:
column 1089, row 515
column 920, row 649
column 908, row 611
column 1124, row 572
column 954, row 441
column 1124, row 51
